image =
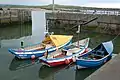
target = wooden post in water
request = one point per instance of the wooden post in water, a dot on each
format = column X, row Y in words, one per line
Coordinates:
column 23, row 19
column 0, row 43
column 0, row 18
column 18, row 15
column 79, row 28
column 47, row 29
column 10, row 16
column 22, row 44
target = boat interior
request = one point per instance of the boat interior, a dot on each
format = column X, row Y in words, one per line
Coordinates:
column 62, row 52
column 97, row 53
column 43, row 45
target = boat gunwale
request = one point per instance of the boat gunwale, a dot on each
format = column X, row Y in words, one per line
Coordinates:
column 69, row 56
column 81, row 59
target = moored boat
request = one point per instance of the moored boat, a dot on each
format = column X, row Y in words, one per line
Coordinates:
column 51, row 43
column 67, row 54
column 96, row 57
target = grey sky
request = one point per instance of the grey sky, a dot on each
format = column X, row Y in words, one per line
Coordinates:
column 97, row 3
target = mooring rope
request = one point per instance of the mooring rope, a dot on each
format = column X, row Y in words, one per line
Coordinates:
column 115, row 37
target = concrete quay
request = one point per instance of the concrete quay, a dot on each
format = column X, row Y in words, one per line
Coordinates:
column 109, row 71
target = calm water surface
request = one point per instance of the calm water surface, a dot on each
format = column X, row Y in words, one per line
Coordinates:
column 13, row 69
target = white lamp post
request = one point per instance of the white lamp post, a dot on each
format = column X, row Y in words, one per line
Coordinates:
column 53, row 6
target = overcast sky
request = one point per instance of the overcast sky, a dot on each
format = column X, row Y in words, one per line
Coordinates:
column 91, row 3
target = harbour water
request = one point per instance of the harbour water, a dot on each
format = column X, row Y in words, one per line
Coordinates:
column 14, row 69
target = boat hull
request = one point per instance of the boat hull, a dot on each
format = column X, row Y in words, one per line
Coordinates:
column 21, row 54
column 87, row 62
column 92, row 64
column 52, row 62
column 61, row 61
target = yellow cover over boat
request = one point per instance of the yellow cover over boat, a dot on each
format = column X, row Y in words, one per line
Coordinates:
column 58, row 40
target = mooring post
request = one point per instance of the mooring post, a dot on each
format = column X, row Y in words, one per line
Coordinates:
column 10, row 13
column 0, row 43
column 0, row 18
column 78, row 31
column 47, row 26
column 22, row 44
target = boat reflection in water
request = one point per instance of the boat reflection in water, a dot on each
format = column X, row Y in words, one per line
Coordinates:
column 17, row 64
column 51, row 73
column 81, row 74
column 48, row 73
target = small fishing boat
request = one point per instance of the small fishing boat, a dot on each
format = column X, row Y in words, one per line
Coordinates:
column 50, row 43
column 66, row 55
column 96, row 57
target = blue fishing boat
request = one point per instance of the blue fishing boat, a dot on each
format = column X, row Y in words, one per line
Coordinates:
column 96, row 57
column 51, row 43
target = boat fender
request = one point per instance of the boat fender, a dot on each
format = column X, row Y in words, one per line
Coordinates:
column 56, row 48
column 67, row 61
column 86, row 50
column 33, row 57
column 105, row 60
column 74, row 58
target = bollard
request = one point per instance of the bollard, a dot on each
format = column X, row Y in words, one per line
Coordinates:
column 22, row 44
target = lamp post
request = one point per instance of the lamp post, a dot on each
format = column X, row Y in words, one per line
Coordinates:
column 53, row 6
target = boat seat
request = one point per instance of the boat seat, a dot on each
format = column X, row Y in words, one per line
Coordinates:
column 59, row 56
column 99, row 52
column 72, row 51
column 56, row 53
column 69, row 53
column 82, row 45
column 98, row 56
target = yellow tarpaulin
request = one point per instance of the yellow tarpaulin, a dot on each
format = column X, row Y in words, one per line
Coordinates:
column 58, row 40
